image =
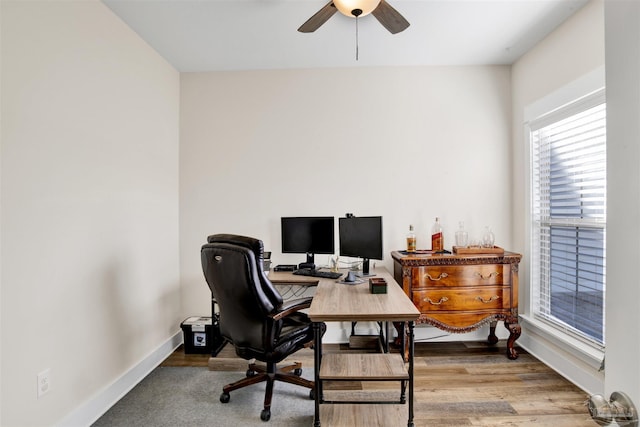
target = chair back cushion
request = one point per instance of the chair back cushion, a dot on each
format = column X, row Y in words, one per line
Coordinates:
column 232, row 267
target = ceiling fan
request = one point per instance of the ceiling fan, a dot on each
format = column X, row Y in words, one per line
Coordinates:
column 390, row 18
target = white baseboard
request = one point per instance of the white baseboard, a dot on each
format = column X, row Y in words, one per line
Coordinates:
column 576, row 366
column 94, row 408
column 339, row 332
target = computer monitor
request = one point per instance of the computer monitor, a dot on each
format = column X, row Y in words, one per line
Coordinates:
column 308, row 235
column 361, row 237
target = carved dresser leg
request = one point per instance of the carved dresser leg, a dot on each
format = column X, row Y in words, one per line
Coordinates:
column 514, row 334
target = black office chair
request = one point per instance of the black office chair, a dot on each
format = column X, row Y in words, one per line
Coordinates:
column 253, row 316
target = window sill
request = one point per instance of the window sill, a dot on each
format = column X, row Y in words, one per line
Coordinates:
column 586, row 353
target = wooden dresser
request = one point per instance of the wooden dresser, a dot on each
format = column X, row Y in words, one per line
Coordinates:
column 460, row 293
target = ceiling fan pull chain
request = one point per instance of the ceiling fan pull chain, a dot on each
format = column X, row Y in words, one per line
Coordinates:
column 356, row 13
column 357, row 37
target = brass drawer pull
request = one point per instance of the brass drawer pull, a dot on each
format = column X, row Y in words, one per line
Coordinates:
column 487, row 301
column 489, row 276
column 435, row 279
column 443, row 299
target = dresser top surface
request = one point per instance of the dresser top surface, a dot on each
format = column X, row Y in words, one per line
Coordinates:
column 404, row 258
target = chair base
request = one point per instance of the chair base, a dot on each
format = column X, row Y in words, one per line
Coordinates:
column 257, row 374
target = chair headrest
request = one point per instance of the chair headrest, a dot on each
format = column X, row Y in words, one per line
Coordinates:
column 250, row 243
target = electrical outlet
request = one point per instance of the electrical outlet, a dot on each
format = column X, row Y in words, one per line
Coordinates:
column 44, row 382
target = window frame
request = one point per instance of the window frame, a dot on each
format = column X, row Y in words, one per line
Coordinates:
column 537, row 118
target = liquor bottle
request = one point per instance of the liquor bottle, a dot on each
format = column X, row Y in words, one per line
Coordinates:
column 437, row 239
column 411, row 240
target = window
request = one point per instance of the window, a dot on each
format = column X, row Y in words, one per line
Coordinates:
column 568, row 178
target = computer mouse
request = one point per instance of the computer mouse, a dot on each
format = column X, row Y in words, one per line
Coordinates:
column 351, row 277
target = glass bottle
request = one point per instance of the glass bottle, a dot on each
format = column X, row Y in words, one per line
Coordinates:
column 411, row 240
column 488, row 238
column 462, row 237
column 437, row 239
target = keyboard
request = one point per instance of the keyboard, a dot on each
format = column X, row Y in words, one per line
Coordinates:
column 317, row 273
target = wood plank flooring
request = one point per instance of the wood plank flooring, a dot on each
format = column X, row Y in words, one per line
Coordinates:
column 458, row 384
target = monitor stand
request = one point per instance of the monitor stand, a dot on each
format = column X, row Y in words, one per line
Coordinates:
column 310, row 262
column 365, row 268
column 308, row 265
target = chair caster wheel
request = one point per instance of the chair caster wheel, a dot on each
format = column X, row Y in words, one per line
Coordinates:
column 251, row 373
column 265, row 415
column 225, row 397
column 297, row 372
column 312, row 394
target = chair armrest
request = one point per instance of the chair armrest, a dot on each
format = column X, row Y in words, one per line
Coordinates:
column 291, row 306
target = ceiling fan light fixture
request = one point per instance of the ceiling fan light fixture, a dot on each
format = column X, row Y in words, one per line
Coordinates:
column 347, row 7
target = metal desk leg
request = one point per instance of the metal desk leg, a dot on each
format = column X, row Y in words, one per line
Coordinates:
column 404, row 351
column 411, row 350
column 317, row 356
column 386, row 337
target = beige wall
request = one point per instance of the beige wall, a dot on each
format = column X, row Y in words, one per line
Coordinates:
column 407, row 143
column 1, row 383
column 89, row 199
column 574, row 50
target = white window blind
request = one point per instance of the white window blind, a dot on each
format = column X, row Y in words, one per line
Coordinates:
column 569, row 218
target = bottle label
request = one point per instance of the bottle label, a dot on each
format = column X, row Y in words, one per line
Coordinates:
column 437, row 244
column 411, row 244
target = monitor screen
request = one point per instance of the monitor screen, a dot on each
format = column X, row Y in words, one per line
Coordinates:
column 310, row 235
column 361, row 237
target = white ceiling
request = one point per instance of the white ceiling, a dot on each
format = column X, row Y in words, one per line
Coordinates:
column 210, row 35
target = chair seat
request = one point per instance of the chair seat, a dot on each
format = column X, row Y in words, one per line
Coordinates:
column 296, row 331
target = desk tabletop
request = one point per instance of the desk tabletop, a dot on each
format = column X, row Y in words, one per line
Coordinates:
column 335, row 301
column 288, row 278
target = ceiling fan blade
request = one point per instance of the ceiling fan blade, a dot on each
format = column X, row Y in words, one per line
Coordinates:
column 390, row 18
column 319, row 18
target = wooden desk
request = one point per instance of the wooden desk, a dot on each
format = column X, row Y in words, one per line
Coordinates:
column 337, row 302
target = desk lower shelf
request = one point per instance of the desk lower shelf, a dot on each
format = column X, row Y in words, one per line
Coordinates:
column 363, row 367
column 363, row 415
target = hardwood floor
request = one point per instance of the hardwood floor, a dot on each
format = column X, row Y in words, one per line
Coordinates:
column 459, row 384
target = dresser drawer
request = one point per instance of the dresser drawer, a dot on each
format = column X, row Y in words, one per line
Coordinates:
column 462, row 299
column 460, row 275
